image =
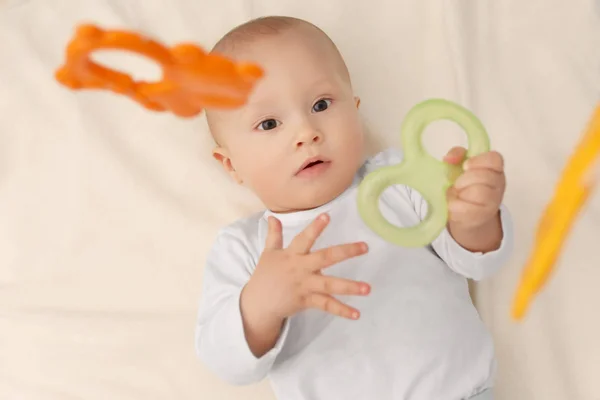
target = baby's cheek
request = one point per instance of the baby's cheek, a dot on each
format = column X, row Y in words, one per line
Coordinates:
column 267, row 177
column 355, row 144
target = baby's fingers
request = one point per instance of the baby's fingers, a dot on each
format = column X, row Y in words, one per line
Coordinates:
column 332, row 255
column 491, row 160
column 487, row 177
column 332, row 306
column 303, row 242
column 336, row 286
column 274, row 239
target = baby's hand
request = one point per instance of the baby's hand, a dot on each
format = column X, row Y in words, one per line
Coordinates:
column 476, row 195
column 289, row 280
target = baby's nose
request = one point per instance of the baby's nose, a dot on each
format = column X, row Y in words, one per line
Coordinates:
column 312, row 137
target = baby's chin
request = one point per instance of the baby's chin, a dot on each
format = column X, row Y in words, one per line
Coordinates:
column 311, row 198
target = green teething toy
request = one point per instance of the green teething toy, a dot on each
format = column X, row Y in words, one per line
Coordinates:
column 422, row 172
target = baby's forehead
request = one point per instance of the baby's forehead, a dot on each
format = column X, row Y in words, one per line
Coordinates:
column 295, row 70
column 289, row 58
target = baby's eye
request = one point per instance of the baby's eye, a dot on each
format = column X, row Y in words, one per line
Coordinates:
column 268, row 124
column 321, row 105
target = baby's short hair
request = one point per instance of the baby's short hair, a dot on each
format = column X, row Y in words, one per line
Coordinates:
column 261, row 27
column 250, row 30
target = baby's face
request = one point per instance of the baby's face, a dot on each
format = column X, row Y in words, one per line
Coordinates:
column 298, row 142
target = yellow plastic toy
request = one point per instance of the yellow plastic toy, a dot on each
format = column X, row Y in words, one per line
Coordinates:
column 570, row 195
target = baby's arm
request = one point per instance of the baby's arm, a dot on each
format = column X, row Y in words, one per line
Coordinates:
column 483, row 238
column 220, row 335
column 243, row 317
column 474, row 253
column 478, row 237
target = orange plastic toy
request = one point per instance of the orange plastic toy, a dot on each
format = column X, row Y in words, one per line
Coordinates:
column 570, row 196
column 192, row 79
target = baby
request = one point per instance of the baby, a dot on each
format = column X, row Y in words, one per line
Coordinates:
column 304, row 292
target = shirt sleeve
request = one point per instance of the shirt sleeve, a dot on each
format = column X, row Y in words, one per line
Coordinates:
column 220, row 340
column 472, row 265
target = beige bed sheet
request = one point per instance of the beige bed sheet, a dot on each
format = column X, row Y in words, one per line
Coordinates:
column 107, row 210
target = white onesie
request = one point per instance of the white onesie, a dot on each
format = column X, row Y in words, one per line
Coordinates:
column 419, row 336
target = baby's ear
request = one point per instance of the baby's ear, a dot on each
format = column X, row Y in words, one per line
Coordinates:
column 357, row 101
column 221, row 154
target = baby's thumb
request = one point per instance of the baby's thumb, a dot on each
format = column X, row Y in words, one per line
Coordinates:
column 456, row 155
column 274, row 237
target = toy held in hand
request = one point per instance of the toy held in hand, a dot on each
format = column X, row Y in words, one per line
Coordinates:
column 422, row 172
column 192, row 79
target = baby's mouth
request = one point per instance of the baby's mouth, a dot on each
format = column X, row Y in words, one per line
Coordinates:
column 312, row 164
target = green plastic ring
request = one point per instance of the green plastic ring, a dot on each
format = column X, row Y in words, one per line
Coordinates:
column 422, row 172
